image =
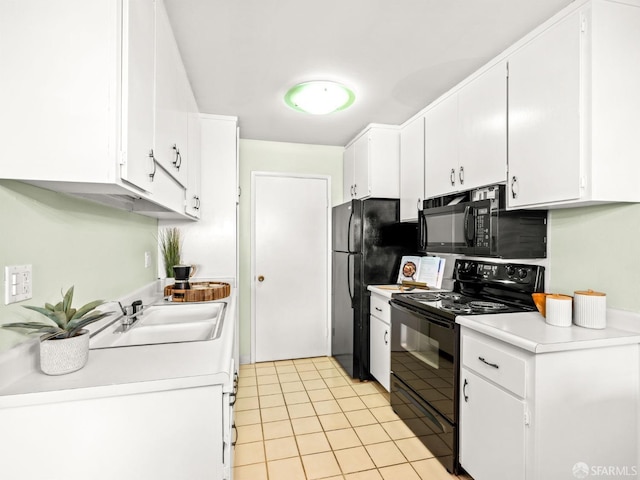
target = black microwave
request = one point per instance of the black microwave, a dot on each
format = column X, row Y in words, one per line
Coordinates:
column 478, row 223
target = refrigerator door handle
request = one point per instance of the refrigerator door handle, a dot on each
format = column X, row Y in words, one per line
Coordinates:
column 349, row 232
column 351, row 294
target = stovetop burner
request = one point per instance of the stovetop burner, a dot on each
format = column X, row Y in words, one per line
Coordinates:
column 482, row 287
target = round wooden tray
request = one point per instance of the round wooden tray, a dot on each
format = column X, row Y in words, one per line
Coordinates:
column 199, row 292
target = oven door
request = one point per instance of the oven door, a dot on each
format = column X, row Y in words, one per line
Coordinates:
column 436, row 432
column 424, row 353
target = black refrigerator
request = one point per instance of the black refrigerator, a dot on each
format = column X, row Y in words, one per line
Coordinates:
column 368, row 244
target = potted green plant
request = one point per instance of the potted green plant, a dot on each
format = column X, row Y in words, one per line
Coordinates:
column 170, row 248
column 64, row 344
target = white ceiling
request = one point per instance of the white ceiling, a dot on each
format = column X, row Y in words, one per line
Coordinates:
column 242, row 56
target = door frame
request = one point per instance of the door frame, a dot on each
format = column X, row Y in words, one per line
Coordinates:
column 327, row 179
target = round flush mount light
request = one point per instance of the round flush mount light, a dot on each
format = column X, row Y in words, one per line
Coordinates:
column 319, row 97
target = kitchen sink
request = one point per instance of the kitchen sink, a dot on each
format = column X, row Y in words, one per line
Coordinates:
column 165, row 323
column 172, row 313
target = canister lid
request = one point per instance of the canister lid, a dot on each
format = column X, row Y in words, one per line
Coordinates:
column 590, row 293
column 559, row 296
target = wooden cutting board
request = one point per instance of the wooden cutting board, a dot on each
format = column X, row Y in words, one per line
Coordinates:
column 199, row 292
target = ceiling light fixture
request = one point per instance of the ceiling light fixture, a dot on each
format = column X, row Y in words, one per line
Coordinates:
column 319, row 97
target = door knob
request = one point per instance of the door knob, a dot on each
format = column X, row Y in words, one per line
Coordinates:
column 261, row 278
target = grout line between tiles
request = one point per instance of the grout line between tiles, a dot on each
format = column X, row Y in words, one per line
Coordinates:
column 322, row 364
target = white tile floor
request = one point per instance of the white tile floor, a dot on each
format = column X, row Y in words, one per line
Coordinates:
column 306, row 419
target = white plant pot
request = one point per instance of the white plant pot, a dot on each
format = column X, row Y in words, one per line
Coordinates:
column 64, row 355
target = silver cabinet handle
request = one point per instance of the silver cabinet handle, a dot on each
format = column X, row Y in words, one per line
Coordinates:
column 494, row 365
column 514, row 184
column 464, row 390
column 378, row 309
column 177, row 162
column 235, row 430
column 386, row 334
column 351, row 190
column 461, row 175
column 153, row 159
column 452, row 176
column 355, row 190
column 419, row 204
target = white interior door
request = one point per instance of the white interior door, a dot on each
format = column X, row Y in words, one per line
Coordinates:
column 290, row 266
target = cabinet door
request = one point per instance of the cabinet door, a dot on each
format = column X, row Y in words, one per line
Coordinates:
column 171, row 119
column 492, row 430
column 441, row 148
column 544, row 116
column 411, row 169
column 348, row 172
column 482, row 113
column 362, row 184
column 193, row 201
column 138, row 65
column 380, row 351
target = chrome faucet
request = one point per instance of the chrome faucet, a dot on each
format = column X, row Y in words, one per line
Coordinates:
column 130, row 313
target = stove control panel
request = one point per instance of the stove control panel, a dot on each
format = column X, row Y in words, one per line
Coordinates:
column 522, row 276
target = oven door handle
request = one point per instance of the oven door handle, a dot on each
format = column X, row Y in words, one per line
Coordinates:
column 440, row 323
column 426, row 412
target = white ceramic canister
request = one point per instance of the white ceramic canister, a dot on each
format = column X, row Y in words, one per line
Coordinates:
column 590, row 309
column 558, row 310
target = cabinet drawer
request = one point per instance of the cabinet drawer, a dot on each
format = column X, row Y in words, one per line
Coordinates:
column 497, row 364
column 379, row 307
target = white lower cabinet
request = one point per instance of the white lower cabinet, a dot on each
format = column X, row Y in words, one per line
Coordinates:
column 379, row 340
column 165, row 435
column 541, row 416
column 493, row 422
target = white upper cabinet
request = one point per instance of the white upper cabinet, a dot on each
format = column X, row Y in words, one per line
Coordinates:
column 171, row 132
column 482, row 129
column 59, row 114
column 411, row 169
column 544, row 116
column 441, row 148
column 80, row 107
column 362, row 167
column 573, row 109
column 371, row 165
column 466, row 136
column 193, row 201
column 348, row 172
column 138, row 99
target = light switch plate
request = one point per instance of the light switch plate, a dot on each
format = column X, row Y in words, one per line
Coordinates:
column 17, row 283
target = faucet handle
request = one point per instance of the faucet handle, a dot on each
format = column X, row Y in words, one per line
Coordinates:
column 137, row 306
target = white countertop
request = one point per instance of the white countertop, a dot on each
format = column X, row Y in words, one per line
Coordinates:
column 133, row 369
column 530, row 332
column 388, row 290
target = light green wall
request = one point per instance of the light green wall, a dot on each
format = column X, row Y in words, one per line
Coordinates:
column 262, row 156
column 69, row 241
column 598, row 248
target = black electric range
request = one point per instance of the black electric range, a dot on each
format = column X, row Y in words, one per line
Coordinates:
column 425, row 345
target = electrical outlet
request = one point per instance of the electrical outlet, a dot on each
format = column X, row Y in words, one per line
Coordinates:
column 147, row 259
column 17, row 283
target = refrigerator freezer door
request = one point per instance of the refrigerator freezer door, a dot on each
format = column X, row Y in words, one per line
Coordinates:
column 347, row 227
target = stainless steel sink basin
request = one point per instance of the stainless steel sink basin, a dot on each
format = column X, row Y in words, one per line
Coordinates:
column 165, row 323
